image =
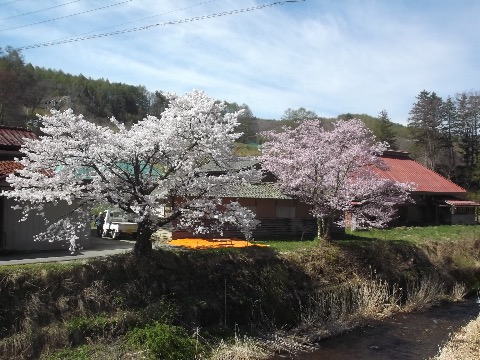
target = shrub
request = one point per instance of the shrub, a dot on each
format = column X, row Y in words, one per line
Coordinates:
column 80, row 353
column 164, row 341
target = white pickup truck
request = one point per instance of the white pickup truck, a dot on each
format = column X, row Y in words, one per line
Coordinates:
column 118, row 224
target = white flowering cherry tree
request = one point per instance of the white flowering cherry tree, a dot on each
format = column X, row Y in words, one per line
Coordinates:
column 334, row 172
column 138, row 169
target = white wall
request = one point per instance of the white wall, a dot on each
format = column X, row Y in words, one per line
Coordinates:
column 19, row 235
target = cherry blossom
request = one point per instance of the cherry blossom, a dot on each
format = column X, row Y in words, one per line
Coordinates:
column 139, row 169
column 332, row 171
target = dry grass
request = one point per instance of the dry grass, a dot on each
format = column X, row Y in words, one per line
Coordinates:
column 344, row 307
column 459, row 292
column 341, row 308
column 464, row 345
column 27, row 345
column 246, row 348
column 423, row 293
column 242, row 348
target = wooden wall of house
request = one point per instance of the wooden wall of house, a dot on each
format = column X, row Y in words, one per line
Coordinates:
column 19, row 236
column 277, row 208
column 269, row 229
column 280, row 219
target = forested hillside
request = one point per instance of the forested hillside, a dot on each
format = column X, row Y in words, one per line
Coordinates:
column 441, row 134
column 26, row 90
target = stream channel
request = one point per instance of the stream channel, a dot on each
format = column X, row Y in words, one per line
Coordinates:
column 413, row 336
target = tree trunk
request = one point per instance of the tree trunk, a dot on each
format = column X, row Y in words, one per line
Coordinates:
column 324, row 225
column 143, row 245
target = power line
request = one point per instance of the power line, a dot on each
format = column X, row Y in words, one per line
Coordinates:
column 37, row 11
column 133, row 21
column 174, row 22
column 67, row 16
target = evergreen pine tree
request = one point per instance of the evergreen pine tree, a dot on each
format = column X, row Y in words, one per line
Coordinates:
column 384, row 130
column 425, row 123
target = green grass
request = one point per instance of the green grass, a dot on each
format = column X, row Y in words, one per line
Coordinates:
column 164, row 341
column 84, row 352
column 419, row 234
column 290, row 245
column 241, row 149
column 408, row 234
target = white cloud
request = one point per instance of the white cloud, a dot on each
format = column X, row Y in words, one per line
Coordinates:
column 331, row 57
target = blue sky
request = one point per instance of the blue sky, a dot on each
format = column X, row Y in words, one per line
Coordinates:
column 329, row 56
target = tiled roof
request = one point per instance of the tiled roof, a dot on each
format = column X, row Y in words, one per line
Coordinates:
column 240, row 163
column 406, row 170
column 265, row 190
column 8, row 167
column 12, row 137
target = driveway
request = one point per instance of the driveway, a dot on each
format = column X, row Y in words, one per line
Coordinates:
column 100, row 247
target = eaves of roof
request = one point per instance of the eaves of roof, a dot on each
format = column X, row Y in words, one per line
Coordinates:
column 13, row 137
column 456, row 203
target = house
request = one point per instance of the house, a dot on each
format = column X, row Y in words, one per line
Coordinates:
column 280, row 216
column 16, row 235
column 437, row 200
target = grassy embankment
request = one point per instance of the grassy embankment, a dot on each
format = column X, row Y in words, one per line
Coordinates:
column 181, row 304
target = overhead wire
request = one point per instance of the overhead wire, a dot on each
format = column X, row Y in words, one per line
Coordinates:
column 40, row 10
column 134, row 21
column 67, row 16
column 173, row 22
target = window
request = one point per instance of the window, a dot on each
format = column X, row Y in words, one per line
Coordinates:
column 464, row 210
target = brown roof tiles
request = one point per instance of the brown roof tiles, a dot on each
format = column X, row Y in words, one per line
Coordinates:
column 12, row 137
column 8, row 166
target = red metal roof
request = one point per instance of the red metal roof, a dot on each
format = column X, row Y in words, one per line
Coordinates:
column 8, row 167
column 406, row 170
column 13, row 136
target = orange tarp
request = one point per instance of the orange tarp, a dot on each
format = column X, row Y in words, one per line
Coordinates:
column 212, row 243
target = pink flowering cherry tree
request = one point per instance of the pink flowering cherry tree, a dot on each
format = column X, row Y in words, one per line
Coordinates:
column 334, row 172
column 137, row 169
